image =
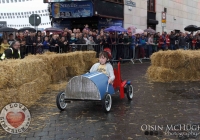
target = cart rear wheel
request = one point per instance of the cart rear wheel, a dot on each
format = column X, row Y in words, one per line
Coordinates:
column 129, row 92
column 60, row 101
column 107, row 102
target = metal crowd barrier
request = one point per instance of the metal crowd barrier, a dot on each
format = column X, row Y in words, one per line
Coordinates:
column 118, row 51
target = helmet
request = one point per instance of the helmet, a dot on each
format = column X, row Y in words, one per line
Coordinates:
column 109, row 52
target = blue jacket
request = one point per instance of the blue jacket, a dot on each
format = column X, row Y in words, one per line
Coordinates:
column 45, row 45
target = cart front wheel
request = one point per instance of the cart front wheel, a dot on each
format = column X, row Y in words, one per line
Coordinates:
column 107, row 102
column 129, row 92
column 60, row 101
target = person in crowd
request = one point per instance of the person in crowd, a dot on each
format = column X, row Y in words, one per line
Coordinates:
column 162, row 42
column 194, row 42
column 64, row 45
column 54, row 44
column 86, row 27
column 142, row 45
column 172, row 38
column 85, row 37
column 23, row 46
column 155, row 41
column 13, row 52
column 94, row 35
column 74, row 31
column 197, row 43
column 112, row 38
column 90, row 43
column 80, row 39
column 150, row 45
column 48, row 35
column 98, row 40
column 11, row 39
column 4, row 46
column 105, row 42
column 39, row 46
column 104, row 66
column 121, row 39
column 131, row 43
column 182, row 41
column 167, row 41
column 46, row 44
column 31, row 42
column 73, row 39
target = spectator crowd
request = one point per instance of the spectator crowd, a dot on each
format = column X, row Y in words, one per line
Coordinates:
column 142, row 45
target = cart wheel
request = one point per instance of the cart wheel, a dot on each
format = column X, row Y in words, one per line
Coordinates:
column 107, row 102
column 60, row 101
column 129, row 92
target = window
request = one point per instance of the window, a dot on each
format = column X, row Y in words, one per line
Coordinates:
column 151, row 5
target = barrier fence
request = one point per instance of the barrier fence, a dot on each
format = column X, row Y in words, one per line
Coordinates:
column 121, row 52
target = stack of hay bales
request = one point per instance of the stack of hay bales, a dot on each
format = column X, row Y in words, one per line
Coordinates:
column 179, row 65
column 23, row 80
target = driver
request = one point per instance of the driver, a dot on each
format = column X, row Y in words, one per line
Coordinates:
column 104, row 66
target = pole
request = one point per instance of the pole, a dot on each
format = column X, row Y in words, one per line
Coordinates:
column 162, row 29
column 34, row 22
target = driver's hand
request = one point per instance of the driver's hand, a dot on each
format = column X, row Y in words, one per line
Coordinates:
column 110, row 81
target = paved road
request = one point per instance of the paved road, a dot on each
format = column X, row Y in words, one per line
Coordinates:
column 154, row 104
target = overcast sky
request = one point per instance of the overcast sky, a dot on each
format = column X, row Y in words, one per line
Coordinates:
column 26, row 6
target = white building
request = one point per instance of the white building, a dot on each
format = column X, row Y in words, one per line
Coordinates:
column 179, row 14
column 16, row 12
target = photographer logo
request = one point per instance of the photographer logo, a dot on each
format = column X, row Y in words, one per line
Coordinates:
column 15, row 118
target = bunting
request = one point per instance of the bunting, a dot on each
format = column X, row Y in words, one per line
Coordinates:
column 26, row 25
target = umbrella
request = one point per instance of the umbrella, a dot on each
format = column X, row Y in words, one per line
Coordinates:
column 138, row 31
column 131, row 29
column 191, row 28
column 151, row 31
column 27, row 28
column 115, row 29
column 52, row 29
column 7, row 29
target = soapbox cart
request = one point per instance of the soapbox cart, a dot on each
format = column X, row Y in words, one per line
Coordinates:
column 94, row 87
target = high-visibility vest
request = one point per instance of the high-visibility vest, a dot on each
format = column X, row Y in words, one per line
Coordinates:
column 4, row 56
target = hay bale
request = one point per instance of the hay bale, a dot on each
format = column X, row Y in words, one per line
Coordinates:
column 160, row 74
column 195, row 60
column 21, row 71
column 8, row 96
column 156, row 57
column 88, row 55
column 6, row 74
column 30, row 92
column 59, row 75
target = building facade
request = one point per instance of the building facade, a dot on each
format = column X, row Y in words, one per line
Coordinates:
column 179, row 13
column 148, row 13
column 139, row 13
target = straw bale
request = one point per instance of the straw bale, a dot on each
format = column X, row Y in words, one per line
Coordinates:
column 88, row 55
column 67, row 59
column 21, row 71
column 195, row 60
column 160, row 74
column 30, row 92
column 8, row 96
column 73, row 71
column 6, row 73
column 156, row 57
column 59, row 75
